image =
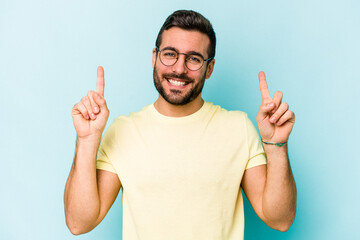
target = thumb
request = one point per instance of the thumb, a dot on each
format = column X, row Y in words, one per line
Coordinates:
column 100, row 100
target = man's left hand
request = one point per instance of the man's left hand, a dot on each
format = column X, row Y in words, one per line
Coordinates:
column 274, row 119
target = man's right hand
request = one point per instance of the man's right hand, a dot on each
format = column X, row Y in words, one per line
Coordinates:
column 89, row 192
column 91, row 113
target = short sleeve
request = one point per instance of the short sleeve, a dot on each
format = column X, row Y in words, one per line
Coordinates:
column 106, row 148
column 256, row 151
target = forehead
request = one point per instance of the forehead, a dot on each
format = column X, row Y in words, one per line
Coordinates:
column 185, row 40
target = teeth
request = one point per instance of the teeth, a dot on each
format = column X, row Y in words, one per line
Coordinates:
column 176, row 83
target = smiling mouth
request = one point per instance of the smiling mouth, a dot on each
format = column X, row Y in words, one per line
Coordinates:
column 178, row 83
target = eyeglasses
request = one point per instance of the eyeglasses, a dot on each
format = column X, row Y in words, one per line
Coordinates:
column 193, row 62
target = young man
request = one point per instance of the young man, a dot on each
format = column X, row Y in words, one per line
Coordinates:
column 181, row 161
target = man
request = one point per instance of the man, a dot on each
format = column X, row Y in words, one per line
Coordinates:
column 181, row 161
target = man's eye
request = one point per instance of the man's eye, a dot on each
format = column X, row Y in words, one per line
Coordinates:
column 169, row 54
column 194, row 59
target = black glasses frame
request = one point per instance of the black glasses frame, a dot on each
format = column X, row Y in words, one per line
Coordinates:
column 186, row 55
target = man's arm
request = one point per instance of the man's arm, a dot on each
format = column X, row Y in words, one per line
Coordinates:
column 271, row 188
column 89, row 193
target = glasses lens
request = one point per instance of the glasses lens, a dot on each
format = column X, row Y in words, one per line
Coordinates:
column 194, row 62
column 168, row 57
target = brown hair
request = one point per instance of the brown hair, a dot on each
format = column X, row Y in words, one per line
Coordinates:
column 189, row 20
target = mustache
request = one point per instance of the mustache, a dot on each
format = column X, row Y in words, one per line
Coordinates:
column 182, row 76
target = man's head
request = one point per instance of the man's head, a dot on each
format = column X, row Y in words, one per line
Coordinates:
column 186, row 34
column 189, row 20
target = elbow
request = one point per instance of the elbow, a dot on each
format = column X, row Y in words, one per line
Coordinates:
column 79, row 224
column 283, row 226
column 75, row 231
column 76, row 228
column 282, row 222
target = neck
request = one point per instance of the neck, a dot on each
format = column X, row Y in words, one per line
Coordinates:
column 170, row 110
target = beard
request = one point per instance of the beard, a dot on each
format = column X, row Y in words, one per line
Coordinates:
column 175, row 96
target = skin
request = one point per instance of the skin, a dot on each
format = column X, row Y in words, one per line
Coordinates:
column 184, row 42
column 271, row 188
column 89, row 193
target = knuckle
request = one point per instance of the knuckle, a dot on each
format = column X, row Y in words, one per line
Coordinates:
column 83, row 109
column 262, row 108
column 90, row 94
column 279, row 93
column 78, row 105
column 84, row 99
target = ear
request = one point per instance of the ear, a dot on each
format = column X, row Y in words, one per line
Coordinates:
column 153, row 57
column 210, row 68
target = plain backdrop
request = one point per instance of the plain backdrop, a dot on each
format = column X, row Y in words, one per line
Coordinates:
column 49, row 52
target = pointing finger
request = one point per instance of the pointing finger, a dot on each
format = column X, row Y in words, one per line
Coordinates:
column 263, row 87
column 100, row 83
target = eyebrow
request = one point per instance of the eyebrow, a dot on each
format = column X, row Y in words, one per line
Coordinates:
column 188, row 53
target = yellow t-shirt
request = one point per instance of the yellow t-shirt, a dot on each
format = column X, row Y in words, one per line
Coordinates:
column 181, row 176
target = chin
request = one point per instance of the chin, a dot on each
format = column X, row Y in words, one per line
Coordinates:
column 178, row 97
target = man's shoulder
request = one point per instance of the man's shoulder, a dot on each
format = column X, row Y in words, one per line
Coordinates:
column 227, row 114
column 230, row 122
column 128, row 119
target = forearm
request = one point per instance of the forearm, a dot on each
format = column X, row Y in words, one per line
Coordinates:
column 279, row 198
column 81, row 198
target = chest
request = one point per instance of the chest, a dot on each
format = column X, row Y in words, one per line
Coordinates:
column 191, row 159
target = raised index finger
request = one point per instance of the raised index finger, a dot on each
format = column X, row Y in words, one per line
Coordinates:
column 100, row 83
column 264, row 87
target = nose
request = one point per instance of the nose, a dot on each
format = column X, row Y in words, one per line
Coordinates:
column 179, row 67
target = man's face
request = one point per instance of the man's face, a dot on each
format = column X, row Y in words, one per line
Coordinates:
column 177, row 84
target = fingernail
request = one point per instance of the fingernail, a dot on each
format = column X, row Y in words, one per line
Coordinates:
column 96, row 109
column 92, row 115
column 272, row 119
column 270, row 105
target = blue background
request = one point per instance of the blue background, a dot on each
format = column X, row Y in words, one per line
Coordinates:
column 49, row 52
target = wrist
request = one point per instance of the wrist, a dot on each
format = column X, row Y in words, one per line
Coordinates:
column 90, row 140
column 275, row 149
column 277, row 144
column 85, row 153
